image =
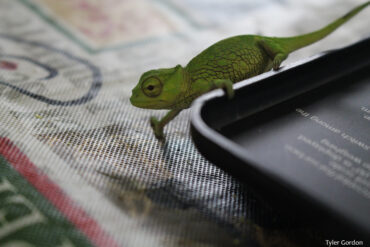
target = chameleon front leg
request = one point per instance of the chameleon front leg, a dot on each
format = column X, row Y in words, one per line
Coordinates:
column 274, row 51
column 158, row 125
column 226, row 84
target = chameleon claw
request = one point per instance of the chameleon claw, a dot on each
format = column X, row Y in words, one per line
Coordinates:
column 227, row 85
column 279, row 58
column 157, row 128
column 275, row 66
column 229, row 91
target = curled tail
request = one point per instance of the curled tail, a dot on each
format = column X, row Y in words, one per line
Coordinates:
column 291, row 44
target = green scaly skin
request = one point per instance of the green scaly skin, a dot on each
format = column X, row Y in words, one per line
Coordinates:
column 219, row 66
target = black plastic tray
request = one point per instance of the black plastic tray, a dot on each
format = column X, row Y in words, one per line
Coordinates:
column 285, row 132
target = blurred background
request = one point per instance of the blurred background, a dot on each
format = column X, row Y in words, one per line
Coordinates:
column 79, row 128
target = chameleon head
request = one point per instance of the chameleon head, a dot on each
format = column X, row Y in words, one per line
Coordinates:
column 159, row 89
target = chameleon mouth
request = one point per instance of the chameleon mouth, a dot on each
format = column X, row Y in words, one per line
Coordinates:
column 147, row 104
column 135, row 102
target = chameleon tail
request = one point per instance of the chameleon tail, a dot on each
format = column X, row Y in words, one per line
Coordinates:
column 290, row 44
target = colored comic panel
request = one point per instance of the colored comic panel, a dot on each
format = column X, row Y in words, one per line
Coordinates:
column 211, row 13
column 35, row 212
column 24, row 209
column 42, row 72
column 102, row 24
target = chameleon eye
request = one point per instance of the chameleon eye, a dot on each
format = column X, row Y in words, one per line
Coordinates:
column 152, row 87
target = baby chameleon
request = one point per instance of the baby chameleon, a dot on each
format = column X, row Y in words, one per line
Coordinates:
column 219, row 66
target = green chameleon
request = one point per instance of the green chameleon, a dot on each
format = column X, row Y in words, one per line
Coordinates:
column 219, row 66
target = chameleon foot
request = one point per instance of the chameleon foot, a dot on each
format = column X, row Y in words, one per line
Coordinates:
column 157, row 128
column 279, row 58
column 274, row 51
column 227, row 85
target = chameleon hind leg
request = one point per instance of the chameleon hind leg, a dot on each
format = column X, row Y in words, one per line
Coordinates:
column 274, row 51
column 158, row 125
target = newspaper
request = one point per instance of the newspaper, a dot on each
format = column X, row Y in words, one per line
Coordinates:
column 82, row 164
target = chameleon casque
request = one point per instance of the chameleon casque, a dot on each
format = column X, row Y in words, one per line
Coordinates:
column 219, row 66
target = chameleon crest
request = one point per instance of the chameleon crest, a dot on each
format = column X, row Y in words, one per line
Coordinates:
column 219, row 66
